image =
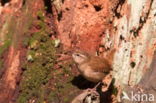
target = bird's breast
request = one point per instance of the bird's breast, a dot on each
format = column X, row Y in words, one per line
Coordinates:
column 82, row 68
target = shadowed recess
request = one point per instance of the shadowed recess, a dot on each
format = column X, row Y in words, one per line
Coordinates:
column 4, row 2
column 48, row 6
column 82, row 83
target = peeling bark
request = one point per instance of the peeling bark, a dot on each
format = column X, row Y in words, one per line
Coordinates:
column 136, row 50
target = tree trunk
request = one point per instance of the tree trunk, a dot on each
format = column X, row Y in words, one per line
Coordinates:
column 93, row 26
column 128, row 25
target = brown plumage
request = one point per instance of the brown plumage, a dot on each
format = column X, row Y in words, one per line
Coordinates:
column 93, row 68
column 99, row 64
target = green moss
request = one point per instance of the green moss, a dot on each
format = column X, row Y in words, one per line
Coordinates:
column 66, row 100
column 67, row 69
column 52, row 96
column 38, row 69
column 40, row 15
column 63, row 85
column 40, row 60
column 5, row 46
column 7, row 38
column 114, row 91
column 26, row 41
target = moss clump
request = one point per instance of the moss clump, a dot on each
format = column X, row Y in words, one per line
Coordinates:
column 5, row 46
column 9, row 38
column 40, row 61
column 62, row 86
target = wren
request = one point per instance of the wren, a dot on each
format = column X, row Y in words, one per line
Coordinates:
column 93, row 68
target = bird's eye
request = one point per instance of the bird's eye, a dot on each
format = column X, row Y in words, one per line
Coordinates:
column 77, row 55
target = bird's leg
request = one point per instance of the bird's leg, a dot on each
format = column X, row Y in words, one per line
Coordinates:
column 97, row 85
column 94, row 89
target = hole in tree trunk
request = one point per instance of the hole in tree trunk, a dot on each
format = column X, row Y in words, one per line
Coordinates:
column 97, row 7
column 4, row 2
column 59, row 16
column 132, row 64
column 48, row 6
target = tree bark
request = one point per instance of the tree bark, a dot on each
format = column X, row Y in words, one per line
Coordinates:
column 137, row 29
column 128, row 25
column 94, row 26
column 15, row 21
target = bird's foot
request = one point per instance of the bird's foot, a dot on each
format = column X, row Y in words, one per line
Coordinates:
column 92, row 90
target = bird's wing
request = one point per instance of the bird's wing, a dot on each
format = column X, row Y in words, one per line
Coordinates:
column 100, row 64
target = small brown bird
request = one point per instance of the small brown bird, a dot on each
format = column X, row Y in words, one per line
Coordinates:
column 93, row 68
